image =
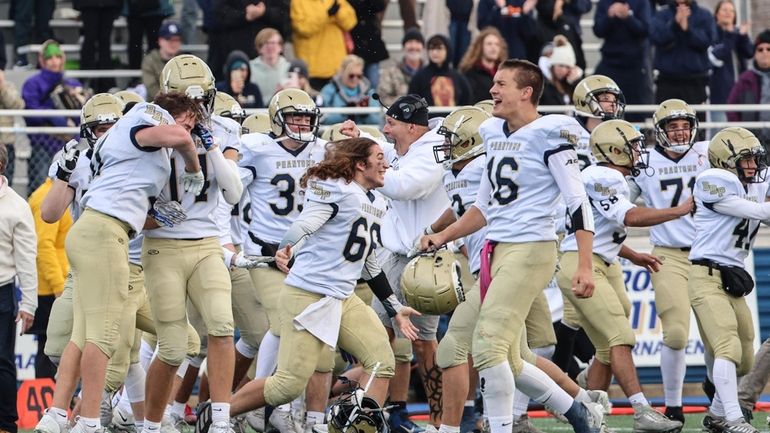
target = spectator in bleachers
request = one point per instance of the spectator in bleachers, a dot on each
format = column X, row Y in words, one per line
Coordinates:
column 18, row 243
column 729, row 55
column 682, row 33
column 439, row 83
column 479, row 64
column 564, row 76
column 408, row 11
column 9, row 100
column 96, row 50
column 318, row 31
column 237, row 82
column 624, row 26
column 560, row 17
column 459, row 35
column 270, row 68
column 188, row 18
column 367, row 37
column 516, row 22
column 237, row 23
column 169, row 46
column 753, row 87
column 24, row 12
column 395, row 79
column 349, row 88
column 144, row 20
column 298, row 79
column 52, row 270
column 46, row 90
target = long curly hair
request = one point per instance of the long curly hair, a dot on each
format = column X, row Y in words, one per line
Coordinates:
column 340, row 160
column 472, row 57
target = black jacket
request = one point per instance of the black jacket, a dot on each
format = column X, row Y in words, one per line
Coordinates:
column 250, row 97
column 426, row 81
column 480, row 81
column 367, row 35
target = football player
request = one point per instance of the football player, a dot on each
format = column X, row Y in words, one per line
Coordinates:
column 674, row 163
column 186, row 261
column 331, row 243
column 618, row 149
column 596, row 98
column 115, row 208
column 271, row 168
column 531, row 161
column 731, row 200
column 460, row 156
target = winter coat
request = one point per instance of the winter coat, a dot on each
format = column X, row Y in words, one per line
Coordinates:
column 679, row 54
column 319, row 37
column 729, row 46
column 250, row 96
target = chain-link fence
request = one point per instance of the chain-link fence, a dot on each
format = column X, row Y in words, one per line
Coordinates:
column 32, row 149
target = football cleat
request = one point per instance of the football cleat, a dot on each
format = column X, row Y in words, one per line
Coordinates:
column 468, row 421
column 675, row 413
column 522, row 425
column 601, row 397
column 399, row 422
column 282, row 421
column 122, row 422
column 738, row 426
column 647, row 419
column 49, row 424
column 713, row 423
column 203, row 424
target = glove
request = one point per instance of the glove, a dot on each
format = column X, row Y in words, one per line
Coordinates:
column 334, row 9
column 193, row 182
column 252, row 262
column 347, row 357
column 207, row 138
column 167, row 213
column 68, row 159
column 415, row 250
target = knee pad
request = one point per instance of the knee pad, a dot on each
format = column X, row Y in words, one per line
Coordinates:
column 603, row 355
column 282, row 388
column 402, row 350
column 727, row 347
column 386, row 359
column 451, row 352
column 675, row 337
column 624, row 337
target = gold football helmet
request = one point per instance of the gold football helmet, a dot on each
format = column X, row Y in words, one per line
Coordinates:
column 356, row 414
column 226, row 106
column 332, row 132
column 485, row 105
column 292, row 103
column 128, row 96
column 462, row 140
column 431, row 283
column 586, row 101
column 732, row 145
column 190, row 75
column 100, row 109
column 667, row 111
column 619, row 143
column 257, row 122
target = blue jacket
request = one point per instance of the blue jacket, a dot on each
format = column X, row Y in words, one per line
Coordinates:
column 625, row 41
column 518, row 31
column 332, row 96
column 680, row 54
column 728, row 47
column 36, row 92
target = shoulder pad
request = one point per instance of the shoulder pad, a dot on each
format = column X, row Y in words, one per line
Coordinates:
column 715, row 184
column 327, row 191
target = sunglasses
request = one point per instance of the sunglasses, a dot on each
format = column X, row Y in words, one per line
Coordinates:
column 359, row 76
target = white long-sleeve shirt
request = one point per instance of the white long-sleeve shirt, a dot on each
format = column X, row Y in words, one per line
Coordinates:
column 18, row 245
column 414, row 185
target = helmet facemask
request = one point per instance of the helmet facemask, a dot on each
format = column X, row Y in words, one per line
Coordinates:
column 662, row 133
column 283, row 116
column 87, row 130
column 594, row 104
column 759, row 155
column 204, row 97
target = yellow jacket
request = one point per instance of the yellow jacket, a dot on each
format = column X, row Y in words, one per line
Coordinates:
column 52, row 265
column 318, row 37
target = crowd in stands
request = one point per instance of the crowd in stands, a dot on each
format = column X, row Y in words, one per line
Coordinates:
column 334, row 50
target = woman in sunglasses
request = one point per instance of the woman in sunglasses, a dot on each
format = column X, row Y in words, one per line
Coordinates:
column 349, row 88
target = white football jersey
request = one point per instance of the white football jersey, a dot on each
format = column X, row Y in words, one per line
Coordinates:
column 124, row 174
column 519, row 195
column 722, row 238
column 608, row 193
column 332, row 259
column 462, row 187
column 671, row 183
column 583, row 149
column 201, row 210
column 271, row 174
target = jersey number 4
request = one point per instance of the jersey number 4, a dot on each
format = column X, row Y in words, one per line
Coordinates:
column 504, row 188
column 744, row 237
column 355, row 247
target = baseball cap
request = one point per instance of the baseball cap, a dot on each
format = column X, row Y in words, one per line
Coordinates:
column 298, row 66
column 410, row 109
column 169, row 29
